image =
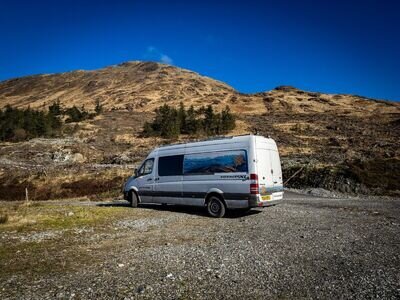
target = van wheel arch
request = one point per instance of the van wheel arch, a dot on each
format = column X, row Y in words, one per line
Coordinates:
column 132, row 193
column 209, row 195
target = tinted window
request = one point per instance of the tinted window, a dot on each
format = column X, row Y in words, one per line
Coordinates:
column 170, row 165
column 215, row 162
column 147, row 167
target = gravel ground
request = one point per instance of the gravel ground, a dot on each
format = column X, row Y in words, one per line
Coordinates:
column 307, row 247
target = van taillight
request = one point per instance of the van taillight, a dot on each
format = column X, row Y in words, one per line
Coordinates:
column 254, row 189
column 254, row 177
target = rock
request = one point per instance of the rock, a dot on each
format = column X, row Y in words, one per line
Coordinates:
column 285, row 88
column 77, row 158
column 64, row 155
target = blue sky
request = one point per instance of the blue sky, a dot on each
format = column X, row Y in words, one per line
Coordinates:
column 329, row 46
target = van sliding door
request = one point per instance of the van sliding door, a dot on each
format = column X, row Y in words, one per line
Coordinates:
column 168, row 181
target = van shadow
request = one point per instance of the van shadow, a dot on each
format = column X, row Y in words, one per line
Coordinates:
column 191, row 210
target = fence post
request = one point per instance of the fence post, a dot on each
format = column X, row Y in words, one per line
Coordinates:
column 26, row 195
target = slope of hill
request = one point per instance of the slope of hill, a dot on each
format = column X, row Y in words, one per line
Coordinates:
column 340, row 142
column 139, row 86
column 143, row 86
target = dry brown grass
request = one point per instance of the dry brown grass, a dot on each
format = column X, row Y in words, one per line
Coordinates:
column 142, row 87
column 68, row 183
column 3, row 218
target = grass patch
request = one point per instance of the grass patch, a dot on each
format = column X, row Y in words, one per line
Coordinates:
column 60, row 253
column 38, row 217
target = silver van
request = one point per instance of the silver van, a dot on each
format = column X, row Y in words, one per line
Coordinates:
column 237, row 172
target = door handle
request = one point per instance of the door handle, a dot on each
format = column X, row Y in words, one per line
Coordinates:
column 149, row 179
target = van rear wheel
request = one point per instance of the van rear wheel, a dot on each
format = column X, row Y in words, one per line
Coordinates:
column 132, row 198
column 215, row 207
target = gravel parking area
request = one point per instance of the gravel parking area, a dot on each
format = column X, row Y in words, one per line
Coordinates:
column 306, row 247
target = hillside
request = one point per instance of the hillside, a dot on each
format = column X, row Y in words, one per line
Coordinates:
column 341, row 142
column 143, row 86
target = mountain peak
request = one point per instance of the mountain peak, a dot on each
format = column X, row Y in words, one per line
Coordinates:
column 145, row 85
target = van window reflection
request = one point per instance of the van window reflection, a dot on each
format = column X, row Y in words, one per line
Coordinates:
column 147, row 167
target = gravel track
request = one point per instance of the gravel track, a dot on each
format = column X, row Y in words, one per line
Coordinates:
column 306, row 247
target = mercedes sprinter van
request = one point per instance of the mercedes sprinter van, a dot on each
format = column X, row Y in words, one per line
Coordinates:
column 237, row 172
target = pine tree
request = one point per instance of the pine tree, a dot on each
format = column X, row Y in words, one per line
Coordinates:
column 170, row 127
column 169, row 122
column 209, row 119
column 182, row 118
column 227, row 120
column 192, row 124
column 55, row 108
column 147, row 129
column 76, row 115
column 20, row 124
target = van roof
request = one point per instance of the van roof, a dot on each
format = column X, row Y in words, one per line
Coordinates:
column 214, row 141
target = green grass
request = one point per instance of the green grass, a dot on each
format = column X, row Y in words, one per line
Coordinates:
column 56, row 217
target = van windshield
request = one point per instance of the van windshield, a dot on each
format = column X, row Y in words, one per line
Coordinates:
column 146, row 168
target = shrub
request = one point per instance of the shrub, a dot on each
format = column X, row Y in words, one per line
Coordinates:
column 19, row 134
column 3, row 218
column 75, row 114
column 99, row 107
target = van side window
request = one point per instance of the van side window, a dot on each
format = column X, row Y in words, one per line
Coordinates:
column 215, row 162
column 147, row 167
column 170, row 165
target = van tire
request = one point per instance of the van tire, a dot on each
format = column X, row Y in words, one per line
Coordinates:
column 133, row 199
column 216, row 207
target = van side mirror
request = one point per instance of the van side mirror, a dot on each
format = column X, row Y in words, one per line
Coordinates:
column 135, row 172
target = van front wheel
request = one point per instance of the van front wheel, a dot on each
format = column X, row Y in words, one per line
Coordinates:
column 215, row 207
column 132, row 198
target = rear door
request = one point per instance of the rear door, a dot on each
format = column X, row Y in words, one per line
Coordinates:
column 276, row 170
column 264, row 170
